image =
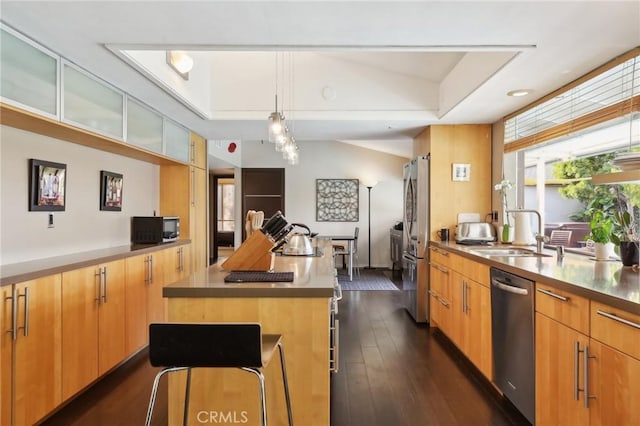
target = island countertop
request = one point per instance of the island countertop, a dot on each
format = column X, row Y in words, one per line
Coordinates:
column 313, row 276
column 604, row 281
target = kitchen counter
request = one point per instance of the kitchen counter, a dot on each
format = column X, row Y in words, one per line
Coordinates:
column 604, row 281
column 24, row 271
column 313, row 276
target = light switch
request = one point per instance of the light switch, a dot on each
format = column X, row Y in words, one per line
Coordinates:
column 51, row 220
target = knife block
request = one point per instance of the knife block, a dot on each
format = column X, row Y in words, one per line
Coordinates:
column 254, row 254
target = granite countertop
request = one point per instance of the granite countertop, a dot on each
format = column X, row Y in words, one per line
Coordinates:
column 24, row 271
column 604, row 281
column 313, row 276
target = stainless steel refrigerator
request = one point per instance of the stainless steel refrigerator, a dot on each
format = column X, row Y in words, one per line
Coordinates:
column 415, row 271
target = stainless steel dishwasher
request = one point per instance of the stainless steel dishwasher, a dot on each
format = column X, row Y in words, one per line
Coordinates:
column 512, row 321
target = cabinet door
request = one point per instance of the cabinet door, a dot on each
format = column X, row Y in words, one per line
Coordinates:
column 137, row 272
column 156, row 304
column 614, row 381
column 198, row 151
column 111, row 318
column 80, row 292
column 176, row 141
column 458, row 310
column 37, row 349
column 176, row 263
column 477, row 327
column 199, row 219
column 6, row 344
column 556, row 382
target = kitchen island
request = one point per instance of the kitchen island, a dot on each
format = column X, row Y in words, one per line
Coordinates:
column 298, row 310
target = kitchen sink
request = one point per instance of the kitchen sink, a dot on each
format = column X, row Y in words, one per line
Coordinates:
column 507, row 252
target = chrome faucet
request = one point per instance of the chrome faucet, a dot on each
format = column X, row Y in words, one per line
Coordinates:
column 540, row 237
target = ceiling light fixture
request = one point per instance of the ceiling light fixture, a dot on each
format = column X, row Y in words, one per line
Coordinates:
column 180, row 62
column 518, row 93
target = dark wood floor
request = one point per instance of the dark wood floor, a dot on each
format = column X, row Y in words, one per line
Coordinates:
column 393, row 372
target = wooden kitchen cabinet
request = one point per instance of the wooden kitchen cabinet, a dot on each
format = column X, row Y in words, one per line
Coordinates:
column 176, row 263
column 556, row 379
column 156, row 304
column 472, row 322
column 198, row 151
column 93, row 323
column 198, row 219
column 30, row 356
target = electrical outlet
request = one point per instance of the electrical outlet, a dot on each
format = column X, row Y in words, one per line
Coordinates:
column 494, row 216
column 51, row 225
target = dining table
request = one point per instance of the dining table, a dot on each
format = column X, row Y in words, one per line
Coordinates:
column 349, row 239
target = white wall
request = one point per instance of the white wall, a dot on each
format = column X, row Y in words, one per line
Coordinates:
column 82, row 226
column 335, row 160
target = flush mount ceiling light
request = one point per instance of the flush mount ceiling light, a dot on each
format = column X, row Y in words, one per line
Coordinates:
column 180, row 62
column 520, row 92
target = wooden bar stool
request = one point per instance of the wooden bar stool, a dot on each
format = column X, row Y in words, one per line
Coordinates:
column 183, row 346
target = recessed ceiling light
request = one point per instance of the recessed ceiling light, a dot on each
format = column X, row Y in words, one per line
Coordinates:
column 519, row 92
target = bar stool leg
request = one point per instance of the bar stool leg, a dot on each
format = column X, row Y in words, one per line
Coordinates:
column 187, row 392
column 286, row 383
column 154, row 391
column 263, row 400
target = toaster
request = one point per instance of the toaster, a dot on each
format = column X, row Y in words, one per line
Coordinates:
column 475, row 232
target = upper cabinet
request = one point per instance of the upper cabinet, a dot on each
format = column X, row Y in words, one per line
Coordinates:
column 29, row 77
column 44, row 85
column 91, row 104
column 177, row 141
column 144, row 126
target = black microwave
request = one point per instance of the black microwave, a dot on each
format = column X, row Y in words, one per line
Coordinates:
column 154, row 229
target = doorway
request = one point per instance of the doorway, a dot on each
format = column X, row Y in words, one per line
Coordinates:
column 222, row 220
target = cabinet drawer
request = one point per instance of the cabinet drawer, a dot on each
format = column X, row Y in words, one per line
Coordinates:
column 564, row 307
column 616, row 328
column 478, row 272
column 440, row 256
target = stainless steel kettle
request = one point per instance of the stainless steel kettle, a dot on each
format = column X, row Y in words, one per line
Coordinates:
column 297, row 243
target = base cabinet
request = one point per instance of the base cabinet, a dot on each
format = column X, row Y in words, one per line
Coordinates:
column 93, row 324
column 176, row 263
column 30, row 353
column 557, row 379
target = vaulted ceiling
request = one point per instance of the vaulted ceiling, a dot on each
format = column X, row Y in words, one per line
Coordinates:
column 367, row 73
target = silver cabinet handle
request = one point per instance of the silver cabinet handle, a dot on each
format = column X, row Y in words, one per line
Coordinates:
column 104, row 274
column 576, row 371
column 181, row 259
column 99, row 275
column 193, row 153
column 439, row 268
column 619, row 319
column 587, row 397
column 440, row 251
column 509, row 288
column 14, row 314
column 552, row 294
column 150, row 265
column 464, row 297
column 338, row 291
column 193, row 187
column 25, row 327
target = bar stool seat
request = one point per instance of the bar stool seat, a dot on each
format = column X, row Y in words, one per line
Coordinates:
column 183, row 346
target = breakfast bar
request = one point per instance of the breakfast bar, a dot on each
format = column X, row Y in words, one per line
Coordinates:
column 299, row 310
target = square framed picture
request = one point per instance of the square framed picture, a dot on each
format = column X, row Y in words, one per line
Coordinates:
column 47, row 185
column 461, row 172
column 337, row 200
column 111, row 191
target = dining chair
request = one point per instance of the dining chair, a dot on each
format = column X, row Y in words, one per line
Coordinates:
column 184, row 346
column 343, row 250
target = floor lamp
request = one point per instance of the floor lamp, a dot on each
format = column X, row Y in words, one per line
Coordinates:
column 369, row 188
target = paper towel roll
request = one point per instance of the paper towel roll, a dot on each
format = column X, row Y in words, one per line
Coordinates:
column 523, row 235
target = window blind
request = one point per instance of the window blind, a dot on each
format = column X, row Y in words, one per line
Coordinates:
column 608, row 92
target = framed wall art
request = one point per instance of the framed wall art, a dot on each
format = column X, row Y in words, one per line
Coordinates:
column 47, row 185
column 337, row 200
column 460, row 172
column 110, row 191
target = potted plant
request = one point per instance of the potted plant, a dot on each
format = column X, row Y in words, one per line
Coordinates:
column 502, row 187
column 601, row 229
column 625, row 237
